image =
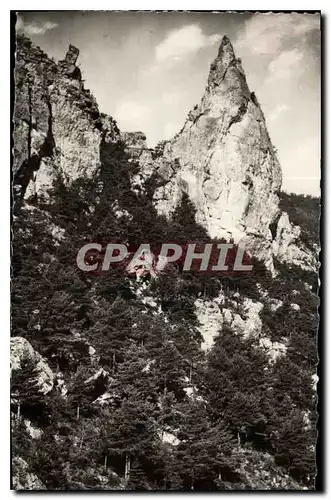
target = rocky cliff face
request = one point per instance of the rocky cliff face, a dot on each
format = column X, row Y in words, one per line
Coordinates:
column 85, row 346
column 21, row 351
column 223, row 156
column 224, row 160
column 58, row 128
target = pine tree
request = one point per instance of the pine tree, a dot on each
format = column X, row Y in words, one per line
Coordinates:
column 138, row 480
column 25, row 389
column 205, row 449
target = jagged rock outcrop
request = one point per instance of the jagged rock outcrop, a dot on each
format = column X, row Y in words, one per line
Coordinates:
column 210, row 319
column 23, row 479
column 224, row 159
column 137, row 149
column 259, row 471
column 68, row 64
column 58, row 128
column 245, row 320
column 135, row 141
column 286, row 245
column 223, row 156
column 21, row 350
column 33, row 432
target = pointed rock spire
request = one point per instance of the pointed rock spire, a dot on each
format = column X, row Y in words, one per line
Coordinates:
column 225, row 58
column 225, row 157
column 226, row 52
column 226, row 73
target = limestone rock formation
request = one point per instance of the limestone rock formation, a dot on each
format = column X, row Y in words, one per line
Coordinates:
column 21, row 350
column 210, row 319
column 223, row 156
column 135, row 141
column 224, row 159
column 23, row 479
column 286, row 245
column 58, row 128
column 68, row 65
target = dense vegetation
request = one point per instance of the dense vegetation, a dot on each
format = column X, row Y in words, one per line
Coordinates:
column 304, row 211
column 235, row 420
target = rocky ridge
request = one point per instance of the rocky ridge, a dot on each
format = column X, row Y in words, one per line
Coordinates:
column 57, row 126
column 223, row 156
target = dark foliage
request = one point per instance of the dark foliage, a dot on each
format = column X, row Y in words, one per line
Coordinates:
column 150, row 360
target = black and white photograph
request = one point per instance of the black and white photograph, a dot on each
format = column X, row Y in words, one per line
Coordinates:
column 165, row 250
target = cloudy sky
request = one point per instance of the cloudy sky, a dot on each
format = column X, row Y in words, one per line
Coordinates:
column 148, row 70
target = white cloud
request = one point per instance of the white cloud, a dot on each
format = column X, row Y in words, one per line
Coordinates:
column 268, row 33
column 285, row 65
column 280, row 55
column 34, row 28
column 184, row 41
column 277, row 112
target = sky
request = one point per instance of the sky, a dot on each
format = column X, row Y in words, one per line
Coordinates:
column 148, row 69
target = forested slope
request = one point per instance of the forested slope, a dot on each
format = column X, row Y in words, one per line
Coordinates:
column 181, row 381
column 134, row 401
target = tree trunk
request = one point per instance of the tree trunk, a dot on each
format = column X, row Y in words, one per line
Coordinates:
column 81, row 441
column 77, row 415
column 127, row 467
column 18, row 416
column 105, row 462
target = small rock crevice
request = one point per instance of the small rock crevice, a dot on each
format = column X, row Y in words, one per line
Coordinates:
column 242, row 110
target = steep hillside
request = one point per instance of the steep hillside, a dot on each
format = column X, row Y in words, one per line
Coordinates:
column 304, row 211
column 184, row 381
